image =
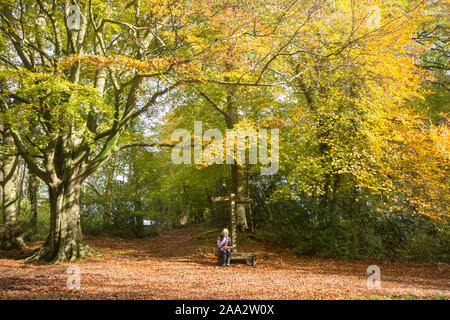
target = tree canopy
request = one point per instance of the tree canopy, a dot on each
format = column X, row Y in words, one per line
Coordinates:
column 91, row 91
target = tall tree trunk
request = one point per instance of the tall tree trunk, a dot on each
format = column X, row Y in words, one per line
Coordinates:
column 139, row 222
column 107, row 210
column 21, row 184
column 186, row 210
column 12, row 231
column 65, row 241
column 236, row 172
column 249, row 206
column 238, row 190
column 33, row 188
column 323, row 210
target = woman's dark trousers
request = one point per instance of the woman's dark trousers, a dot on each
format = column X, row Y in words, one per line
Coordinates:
column 224, row 257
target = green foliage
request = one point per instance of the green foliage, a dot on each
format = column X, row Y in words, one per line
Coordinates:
column 377, row 235
column 40, row 231
column 358, row 163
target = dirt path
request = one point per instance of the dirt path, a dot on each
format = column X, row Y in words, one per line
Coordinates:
column 178, row 265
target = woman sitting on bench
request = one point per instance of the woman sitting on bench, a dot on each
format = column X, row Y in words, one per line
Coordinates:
column 224, row 246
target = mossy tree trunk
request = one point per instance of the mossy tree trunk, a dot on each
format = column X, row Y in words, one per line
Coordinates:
column 229, row 109
column 63, row 147
column 65, row 240
column 33, row 188
column 236, row 172
column 12, row 231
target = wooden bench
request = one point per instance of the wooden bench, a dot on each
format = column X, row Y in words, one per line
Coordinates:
column 249, row 257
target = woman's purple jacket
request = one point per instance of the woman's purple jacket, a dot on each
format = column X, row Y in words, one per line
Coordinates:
column 223, row 241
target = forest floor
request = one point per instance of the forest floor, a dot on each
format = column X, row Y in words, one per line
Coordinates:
column 181, row 265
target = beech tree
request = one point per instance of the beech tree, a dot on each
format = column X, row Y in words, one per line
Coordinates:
column 82, row 71
column 78, row 74
column 256, row 35
column 12, row 235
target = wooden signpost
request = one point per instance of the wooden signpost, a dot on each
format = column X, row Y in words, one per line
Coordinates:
column 232, row 200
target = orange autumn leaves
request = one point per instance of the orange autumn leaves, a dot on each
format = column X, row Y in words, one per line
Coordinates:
column 418, row 165
column 121, row 62
column 368, row 85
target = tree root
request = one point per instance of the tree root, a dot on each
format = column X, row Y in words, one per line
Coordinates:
column 15, row 243
column 68, row 254
column 38, row 256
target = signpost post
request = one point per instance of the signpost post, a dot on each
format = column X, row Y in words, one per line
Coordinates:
column 233, row 200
